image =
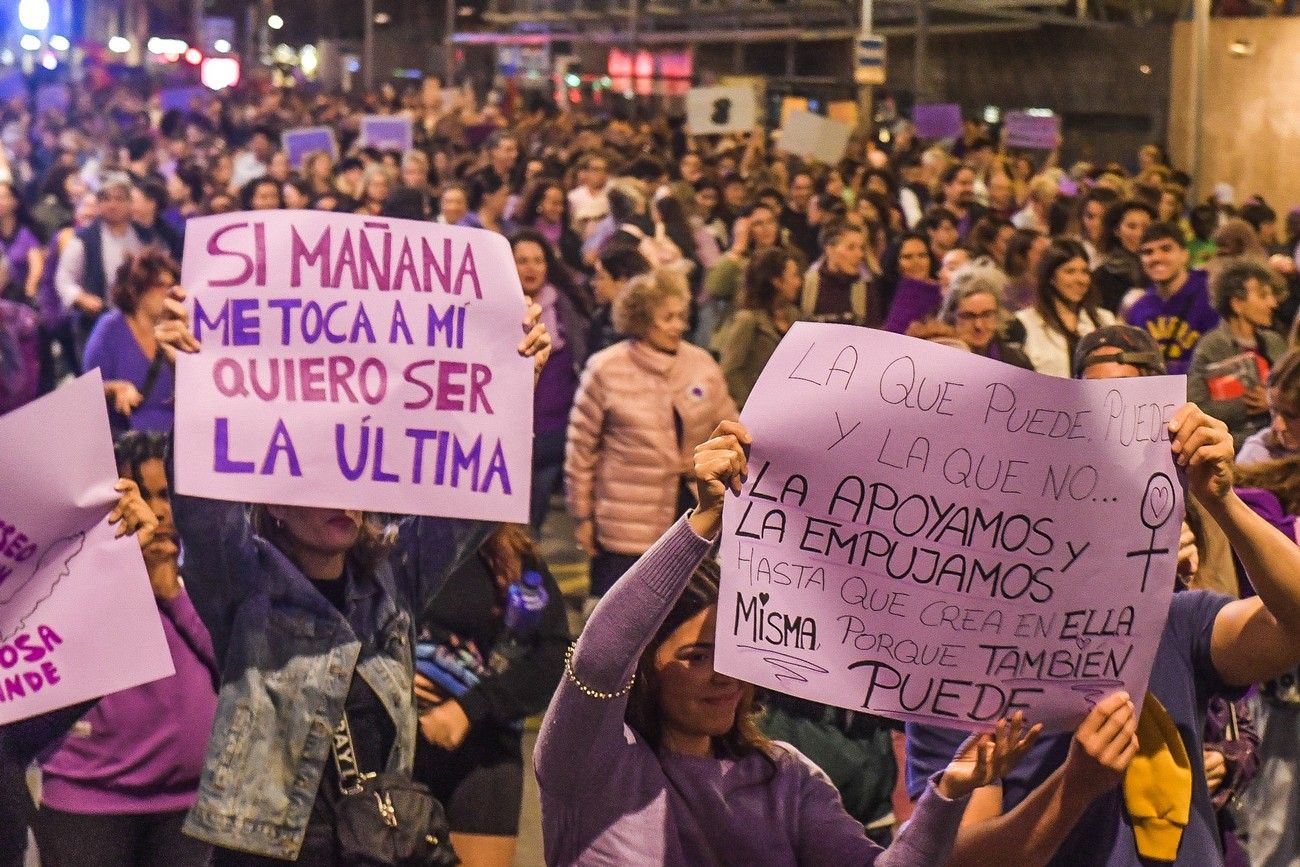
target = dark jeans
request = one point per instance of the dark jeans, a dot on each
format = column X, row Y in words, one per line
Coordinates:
column 15, row 812
column 144, row 839
column 606, row 568
column 548, row 473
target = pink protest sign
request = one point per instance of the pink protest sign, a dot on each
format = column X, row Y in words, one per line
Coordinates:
column 934, row 536
column 1032, row 131
column 354, row 362
column 77, row 616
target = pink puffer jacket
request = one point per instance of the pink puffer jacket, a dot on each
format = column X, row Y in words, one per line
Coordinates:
column 623, row 462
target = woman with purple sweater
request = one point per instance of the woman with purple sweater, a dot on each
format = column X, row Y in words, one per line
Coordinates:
column 648, row 756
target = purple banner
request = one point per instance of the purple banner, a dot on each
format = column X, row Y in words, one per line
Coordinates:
column 387, row 132
column 937, row 120
column 1031, row 131
column 298, row 143
column 181, row 98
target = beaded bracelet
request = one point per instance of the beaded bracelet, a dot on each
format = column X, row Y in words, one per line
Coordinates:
column 586, row 690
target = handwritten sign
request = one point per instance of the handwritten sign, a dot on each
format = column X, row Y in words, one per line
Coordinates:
column 937, row 537
column 1032, row 131
column 300, row 142
column 387, row 132
column 937, row 120
column 808, row 134
column 717, row 110
column 352, row 362
column 77, row 616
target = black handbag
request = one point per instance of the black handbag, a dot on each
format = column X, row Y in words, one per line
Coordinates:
column 388, row 819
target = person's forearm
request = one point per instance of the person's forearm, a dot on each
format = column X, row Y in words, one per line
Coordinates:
column 1030, row 833
column 1271, row 560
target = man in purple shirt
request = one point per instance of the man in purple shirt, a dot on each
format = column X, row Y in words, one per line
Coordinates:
column 1176, row 308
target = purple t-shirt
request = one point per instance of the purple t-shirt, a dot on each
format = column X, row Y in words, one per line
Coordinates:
column 1178, row 323
column 1184, row 679
column 16, row 250
column 115, row 351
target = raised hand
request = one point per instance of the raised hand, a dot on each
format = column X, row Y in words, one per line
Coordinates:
column 537, row 340
column 987, row 757
column 1203, row 445
column 1104, row 744
column 132, row 513
column 173, row 333
column 721, row 463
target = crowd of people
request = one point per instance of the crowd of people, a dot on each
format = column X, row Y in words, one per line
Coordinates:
column 661, row 271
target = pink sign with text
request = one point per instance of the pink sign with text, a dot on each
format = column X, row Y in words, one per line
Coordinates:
column 933, row 536
column 77, row 616
column 354, row 362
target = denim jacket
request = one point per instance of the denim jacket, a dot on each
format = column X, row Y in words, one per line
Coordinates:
column 287, row 658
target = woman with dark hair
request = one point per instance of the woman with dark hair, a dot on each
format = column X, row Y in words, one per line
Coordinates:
column 566, row 312
column 470, row 751
column 1024, row 251
column 1121, row 236
column 21, row 248
column 1066, row 308
column 614, row 267
column 648, row 755
column 260, row 194
column 672, row 225
column 768, row 308
column 140, row 387
column 311, row 613
column 487, row 197
column 907, row 264
column 545, row 209
column 184, row 195
column 989, row 238
column 148, row 200
column 56, row 199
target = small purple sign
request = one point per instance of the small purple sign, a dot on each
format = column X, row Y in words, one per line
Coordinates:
column 53, row 96
column 937, row 120
column 181, row 98
column 12, row 84
column 387, row 132
column 298, row 143
column 1031, row 131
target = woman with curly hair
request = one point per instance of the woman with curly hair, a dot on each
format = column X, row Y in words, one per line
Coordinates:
column 642, row 406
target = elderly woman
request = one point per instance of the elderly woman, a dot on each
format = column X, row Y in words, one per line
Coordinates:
column 973, row 308
column 1232, row 362
column 642, row 407
column 138, row 385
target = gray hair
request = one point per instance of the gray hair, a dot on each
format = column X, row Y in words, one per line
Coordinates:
column 980, row 277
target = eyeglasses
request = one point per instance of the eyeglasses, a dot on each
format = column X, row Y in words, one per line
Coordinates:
column 969, row 317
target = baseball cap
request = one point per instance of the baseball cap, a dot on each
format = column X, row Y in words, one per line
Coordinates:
column 1136, row 347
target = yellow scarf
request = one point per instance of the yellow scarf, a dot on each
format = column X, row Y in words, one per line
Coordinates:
column 1158, row 784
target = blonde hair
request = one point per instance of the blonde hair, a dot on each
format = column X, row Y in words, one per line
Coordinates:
column 635, row 306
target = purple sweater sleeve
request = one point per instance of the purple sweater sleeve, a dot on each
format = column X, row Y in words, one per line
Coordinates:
column 190, row 627
column 580, row 734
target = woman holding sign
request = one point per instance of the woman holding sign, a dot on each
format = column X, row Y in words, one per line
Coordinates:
column 649, row 756
column 310, row 612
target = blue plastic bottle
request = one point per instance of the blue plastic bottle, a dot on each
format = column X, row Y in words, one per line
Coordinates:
column 525, row 601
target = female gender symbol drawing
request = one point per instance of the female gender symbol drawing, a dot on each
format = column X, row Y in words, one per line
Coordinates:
column 1157, row 509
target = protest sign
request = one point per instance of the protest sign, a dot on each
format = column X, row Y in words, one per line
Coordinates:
column 933, row 536
column 387, row 132
column 77, row 616
column 937, row 120
column 298, row 143
column 1031, row 131
column 182, row 98
column 716, row 110
column 12, row 84
column 354, row 362
column 810, row 135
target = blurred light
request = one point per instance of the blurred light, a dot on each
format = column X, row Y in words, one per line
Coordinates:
column 119, row 44
column 1144, row 69
column 309, row 59
column 992, row 114
column 6, row 57
column 158, row 45
column 572, row 80
column 885, row 136
column 29, row 42
column 1039, row 112
column 382, row 18
column 193, row 57
column 275, row 22
column 217, row 73
column 353, row 64
column 465, row 11
column 60, row 43
column 221, row 45
column 34, row 14
column 1241, row 48
column 284, row 54
column 49, row 61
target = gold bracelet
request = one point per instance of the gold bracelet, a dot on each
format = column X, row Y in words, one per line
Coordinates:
column 586, row 690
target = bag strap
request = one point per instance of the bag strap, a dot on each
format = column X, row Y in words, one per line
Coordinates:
column 351, row 777
column 151, row 378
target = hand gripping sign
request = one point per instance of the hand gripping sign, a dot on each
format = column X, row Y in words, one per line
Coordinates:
column 353, row 362
column 933, row 536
